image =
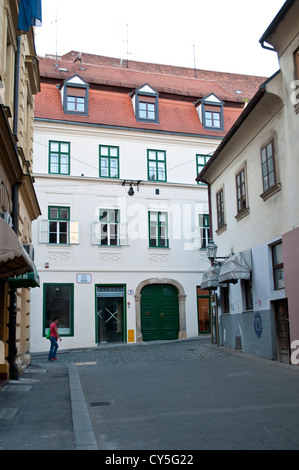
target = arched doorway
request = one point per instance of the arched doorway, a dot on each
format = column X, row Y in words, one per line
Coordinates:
column 155, row 297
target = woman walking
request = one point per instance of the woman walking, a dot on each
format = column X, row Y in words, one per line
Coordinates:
column 54, row 335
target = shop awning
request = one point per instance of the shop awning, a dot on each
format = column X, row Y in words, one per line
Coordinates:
column 238, row 266
column 30, row 279
column 210, row 279
column 14, row 259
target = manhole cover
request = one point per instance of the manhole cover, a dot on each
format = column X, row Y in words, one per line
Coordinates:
column 8, row 413
column 17, row 388
column 100, row 403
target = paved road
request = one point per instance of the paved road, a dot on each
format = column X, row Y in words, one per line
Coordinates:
column 181, row 395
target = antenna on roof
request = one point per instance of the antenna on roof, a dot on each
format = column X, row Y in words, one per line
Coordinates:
column 56, row 21
column 78, row 57
column 127, row 46
column 194, row 60
column 125, row 52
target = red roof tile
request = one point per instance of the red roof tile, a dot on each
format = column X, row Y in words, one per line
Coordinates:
column 116, row 109
column 111, row 84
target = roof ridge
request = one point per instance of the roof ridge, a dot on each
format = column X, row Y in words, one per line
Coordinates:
column 66, row 57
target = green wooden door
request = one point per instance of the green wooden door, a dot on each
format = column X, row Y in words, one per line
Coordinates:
column 159, row 312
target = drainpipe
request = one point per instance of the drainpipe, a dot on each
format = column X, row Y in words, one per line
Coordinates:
column 210, row 209
column 17, row 87
column 12, row 309
column 209, row 204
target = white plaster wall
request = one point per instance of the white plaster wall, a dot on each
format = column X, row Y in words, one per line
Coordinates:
column 180, row 150
column 134, row 262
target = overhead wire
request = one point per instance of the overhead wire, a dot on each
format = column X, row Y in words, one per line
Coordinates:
column 96, row 168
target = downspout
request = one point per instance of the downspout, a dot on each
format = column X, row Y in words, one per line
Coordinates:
column 17, row 86
column 12, row 348
column 210, row 209
column 209, row 203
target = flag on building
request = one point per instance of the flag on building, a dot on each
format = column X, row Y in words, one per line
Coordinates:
column 30, row 14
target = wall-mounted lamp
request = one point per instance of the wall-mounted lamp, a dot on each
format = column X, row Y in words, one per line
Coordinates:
column 131, row 183
column 131, row 191
column 212, row 252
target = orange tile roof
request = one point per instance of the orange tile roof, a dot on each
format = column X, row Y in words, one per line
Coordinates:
column 111, row 84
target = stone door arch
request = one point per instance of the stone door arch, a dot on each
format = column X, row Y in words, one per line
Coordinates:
column 181, row 301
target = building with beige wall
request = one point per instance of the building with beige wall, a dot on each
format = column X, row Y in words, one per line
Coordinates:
column 19, row 82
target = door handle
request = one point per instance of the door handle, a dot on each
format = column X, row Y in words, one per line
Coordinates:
column 161, row 314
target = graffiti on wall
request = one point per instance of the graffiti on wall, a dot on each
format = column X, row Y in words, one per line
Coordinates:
column 258, row 324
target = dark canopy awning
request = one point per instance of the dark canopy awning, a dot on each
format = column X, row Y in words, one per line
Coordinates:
column 14, row 259
column 238, row 266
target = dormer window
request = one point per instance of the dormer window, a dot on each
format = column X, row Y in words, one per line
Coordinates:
column 210, row 112
column 145, row 104
column 74, row 96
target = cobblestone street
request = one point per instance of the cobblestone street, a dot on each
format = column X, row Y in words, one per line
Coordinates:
column 176, row 396
column 120, row 353
column 186, row 394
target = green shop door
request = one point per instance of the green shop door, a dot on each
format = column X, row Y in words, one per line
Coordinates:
column 159, row 312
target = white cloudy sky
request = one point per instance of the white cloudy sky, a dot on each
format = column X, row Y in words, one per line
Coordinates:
column 218, row 35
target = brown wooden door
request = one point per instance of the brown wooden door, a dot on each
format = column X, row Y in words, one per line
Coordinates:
column 282, row 331
column 203, row 311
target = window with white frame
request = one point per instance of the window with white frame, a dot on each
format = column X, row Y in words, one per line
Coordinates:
column 59, row 157
column 220, row 208
column 210, row 112
column 58, row 229
column 278, row 269
column 241, row 190
column 156, row 165
column 204, row 228
column 268, row 166
column 109, row 161
column 158, row 229
column 145, row 102
column 109, row 227
column 74, row 93
column 59, row 225
column 270, row 180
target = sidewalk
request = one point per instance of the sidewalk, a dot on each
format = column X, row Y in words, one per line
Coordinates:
column 45, row 410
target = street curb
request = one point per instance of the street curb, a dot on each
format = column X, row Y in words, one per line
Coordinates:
column 84, row 435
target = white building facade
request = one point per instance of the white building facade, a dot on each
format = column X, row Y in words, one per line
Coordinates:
column 120, row 245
